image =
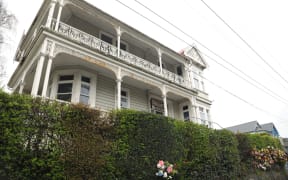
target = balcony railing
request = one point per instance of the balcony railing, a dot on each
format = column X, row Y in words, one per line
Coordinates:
column 95, row 43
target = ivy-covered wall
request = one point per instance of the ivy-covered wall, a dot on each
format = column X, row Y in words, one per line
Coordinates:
column 48, row 140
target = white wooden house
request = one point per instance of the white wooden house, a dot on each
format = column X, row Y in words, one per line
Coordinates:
column 75, row 52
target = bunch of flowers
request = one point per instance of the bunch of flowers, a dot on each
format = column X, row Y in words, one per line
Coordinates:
column 265, row 158
column 165, row 169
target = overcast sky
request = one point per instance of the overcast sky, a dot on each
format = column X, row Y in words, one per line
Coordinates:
column 262, row 23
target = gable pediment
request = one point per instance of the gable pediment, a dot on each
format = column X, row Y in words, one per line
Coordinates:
column 193, row 54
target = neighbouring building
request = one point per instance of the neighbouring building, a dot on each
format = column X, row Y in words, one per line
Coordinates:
column 255, row 127
column 284, row 142
column 77, row 53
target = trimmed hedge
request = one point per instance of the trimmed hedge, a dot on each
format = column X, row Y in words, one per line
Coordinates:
column 49, row 140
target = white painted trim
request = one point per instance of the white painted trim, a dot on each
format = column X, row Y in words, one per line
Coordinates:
column 76, row 87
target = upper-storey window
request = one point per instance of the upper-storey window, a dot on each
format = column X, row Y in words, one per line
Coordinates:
column 65, row 84
column 179, row 70
column 106, row 38
column 123, row 46
column 196, row 82
column 110, row 39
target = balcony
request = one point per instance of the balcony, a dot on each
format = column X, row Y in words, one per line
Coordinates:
column 124, row 56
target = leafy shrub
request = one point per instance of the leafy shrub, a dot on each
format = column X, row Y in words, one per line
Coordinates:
column 48, row 140
column 28, row 136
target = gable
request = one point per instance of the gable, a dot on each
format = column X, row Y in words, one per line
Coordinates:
column 194, row 54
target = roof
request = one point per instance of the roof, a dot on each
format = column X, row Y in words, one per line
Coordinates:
column 267, row 127
column 252, row 126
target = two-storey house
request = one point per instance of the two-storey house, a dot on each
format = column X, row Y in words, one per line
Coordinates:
column 77, row 53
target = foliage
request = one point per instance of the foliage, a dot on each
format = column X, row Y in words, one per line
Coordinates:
column 210, row 153
column 263, row 140
column 28, row 137
column 86, row 142
column 48, row 140
column 140, row 139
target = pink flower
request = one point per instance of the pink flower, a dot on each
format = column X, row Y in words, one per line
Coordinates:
column 169, row 169
column 161, row 162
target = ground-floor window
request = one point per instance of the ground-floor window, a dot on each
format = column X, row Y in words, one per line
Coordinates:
column 156, row 106
column 85, row 90
column 65, row 85
column 74, row 87
column 202, row 115
column 186, row 114
column 124, row 98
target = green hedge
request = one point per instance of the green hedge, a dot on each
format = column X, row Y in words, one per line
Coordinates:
column 49, row 140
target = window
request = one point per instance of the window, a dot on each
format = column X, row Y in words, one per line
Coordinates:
column 157, row 106
column 74, row 86
column 196, row 82
column 85, row 89
column 106, row 38
column 179, row 70
column 202, row 83
column 202, row 115
column 186, row 114
column 124, row 99
column 123, row 46
column 65, row 84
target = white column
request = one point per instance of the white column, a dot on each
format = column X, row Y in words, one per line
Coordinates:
column 165, row 105
column 22, row 82
column 54, row 87
column 118, row 81
column 118, row 40
column 47, row 74
column 194, row 109
column 76, row 88
column 22, row 85
column 50, row 14
column 93, row 93
column 59, row 14
column 160, row 60
column 37, row 76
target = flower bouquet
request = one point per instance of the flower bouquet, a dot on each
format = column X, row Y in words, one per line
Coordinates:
column 165, row 170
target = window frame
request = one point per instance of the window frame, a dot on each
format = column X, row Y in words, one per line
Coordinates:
column 76, row 85
column 127, row 97
column 202, row 112
column 70, row 81
column 108, row 35
column 185, row 111
column 196, row 83
column 89, row 90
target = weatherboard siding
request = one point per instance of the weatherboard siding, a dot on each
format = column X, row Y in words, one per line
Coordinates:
column 138, row 98
column 105, row 93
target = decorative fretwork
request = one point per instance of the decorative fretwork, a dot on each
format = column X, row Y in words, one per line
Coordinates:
column 95, row 43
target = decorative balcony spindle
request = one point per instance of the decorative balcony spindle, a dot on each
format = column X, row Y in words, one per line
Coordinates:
column 95, row 43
